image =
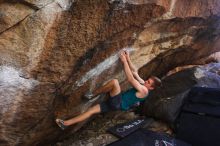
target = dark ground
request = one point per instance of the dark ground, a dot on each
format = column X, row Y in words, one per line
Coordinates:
column 94, row 133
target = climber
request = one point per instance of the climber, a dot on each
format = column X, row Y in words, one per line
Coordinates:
column 118, row 100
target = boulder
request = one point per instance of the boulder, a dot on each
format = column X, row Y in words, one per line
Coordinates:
column 11, row 14
column 52, row 52
column 164, row 103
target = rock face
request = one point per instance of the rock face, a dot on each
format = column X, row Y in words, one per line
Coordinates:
column 53, row 51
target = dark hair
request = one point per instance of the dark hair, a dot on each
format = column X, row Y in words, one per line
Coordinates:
column 157, row 81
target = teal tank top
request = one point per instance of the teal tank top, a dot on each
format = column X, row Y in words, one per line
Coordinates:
column 129, row 99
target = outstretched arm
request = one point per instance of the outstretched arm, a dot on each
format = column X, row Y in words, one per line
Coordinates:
column 130, row 76
column 133, row 68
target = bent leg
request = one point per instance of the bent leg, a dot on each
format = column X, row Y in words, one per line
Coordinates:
column 91, row 111
column 112, row 87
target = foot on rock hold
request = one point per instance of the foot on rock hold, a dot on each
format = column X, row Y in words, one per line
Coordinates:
column 60, row 123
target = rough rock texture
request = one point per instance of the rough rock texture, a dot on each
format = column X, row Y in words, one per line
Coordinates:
column 53, row 51
column 11, row 14
column 198, row 8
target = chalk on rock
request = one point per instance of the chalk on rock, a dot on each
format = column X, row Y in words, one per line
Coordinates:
column 89, row 95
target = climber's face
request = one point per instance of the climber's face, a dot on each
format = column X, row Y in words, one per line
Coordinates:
column 149, row 84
